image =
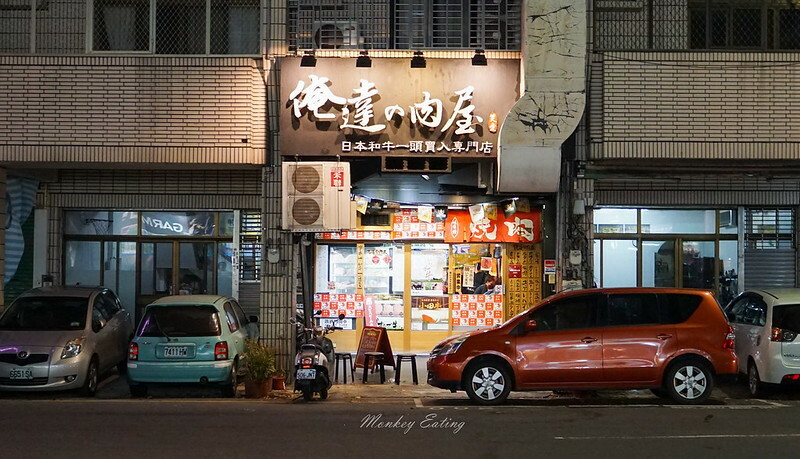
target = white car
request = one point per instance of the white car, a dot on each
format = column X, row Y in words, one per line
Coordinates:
column 767, row 324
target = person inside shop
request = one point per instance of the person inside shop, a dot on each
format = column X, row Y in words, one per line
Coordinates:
column 487, row 286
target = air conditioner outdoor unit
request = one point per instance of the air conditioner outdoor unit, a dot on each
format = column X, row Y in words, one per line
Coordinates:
column 316, row 196
column 337, row 35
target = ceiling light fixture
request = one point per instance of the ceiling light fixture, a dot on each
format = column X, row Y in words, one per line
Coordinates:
column 479, row 58
column 418, row 61
column 363, row 60
column 308, row 59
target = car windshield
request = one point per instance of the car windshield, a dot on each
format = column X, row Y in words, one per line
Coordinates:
column 787, row 317
column 172, row 321
column 45, row 313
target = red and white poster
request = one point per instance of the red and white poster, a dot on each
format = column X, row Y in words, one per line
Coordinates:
column 333, row 304
column 407, row 225
column 519, row 227
column 476, row 310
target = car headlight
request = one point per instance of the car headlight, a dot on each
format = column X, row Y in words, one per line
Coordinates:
column 72, row 348
column 452, row 346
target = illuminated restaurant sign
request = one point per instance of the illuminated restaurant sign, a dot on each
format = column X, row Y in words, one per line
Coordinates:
column 449, row 108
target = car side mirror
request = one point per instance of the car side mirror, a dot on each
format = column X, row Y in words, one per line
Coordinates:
column 530, row 325
column 98, row 324
column 253, row 319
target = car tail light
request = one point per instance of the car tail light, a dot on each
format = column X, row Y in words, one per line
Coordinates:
column 133, row 351
column 730, row 339
column 791, row 378
column 781, row 335
column 221, row 351
column 306, row 362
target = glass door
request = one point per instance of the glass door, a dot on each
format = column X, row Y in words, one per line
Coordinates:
column 119, row 272
column 195, row 268
column 156, row 273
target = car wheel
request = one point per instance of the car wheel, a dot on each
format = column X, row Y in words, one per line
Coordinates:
column 487, row 383
column 689, row 382
column 92, row 377
column 229, row 388
column 323, row 394
column 754, row 384
column 308, row 395
column 138, row 390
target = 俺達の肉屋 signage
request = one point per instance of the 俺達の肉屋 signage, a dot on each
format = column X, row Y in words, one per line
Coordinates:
column 448, row 108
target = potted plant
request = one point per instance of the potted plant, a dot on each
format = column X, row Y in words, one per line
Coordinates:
column 259, row 364
column 279, row 380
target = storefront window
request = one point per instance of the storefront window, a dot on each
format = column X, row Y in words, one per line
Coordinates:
column 384, row 283
column 659, row 221
column 729, row 267
column 658, row 263
column 178, row 223
column 224, row 268
column 698, row 264
column 82, row 263
column 615, row 221
column 226, row 223
column 429, row 303
column 336, row 268
column 476, row 300
column 100, row 222
column 619, row 263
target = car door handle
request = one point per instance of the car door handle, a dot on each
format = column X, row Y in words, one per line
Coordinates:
column 588, row 340
column 663, row 336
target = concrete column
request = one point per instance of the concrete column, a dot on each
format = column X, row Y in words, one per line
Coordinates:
column 3, row 205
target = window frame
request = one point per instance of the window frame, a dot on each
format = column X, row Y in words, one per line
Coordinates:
column 599, row 300
column 152, row 32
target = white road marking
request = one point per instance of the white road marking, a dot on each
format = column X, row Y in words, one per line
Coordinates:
column 680, row 437
column 418, row 403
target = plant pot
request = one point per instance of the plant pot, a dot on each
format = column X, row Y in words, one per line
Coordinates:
column 279, row 383
column 257, row 389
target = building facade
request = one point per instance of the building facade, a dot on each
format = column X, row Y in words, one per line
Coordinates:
column 153, row 146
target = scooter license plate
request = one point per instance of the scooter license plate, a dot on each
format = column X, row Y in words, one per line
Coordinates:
column 306, row 374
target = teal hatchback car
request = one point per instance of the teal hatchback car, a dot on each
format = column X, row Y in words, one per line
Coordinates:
column 189, row 339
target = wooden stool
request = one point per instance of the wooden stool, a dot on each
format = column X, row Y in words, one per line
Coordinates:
column 377, row 358
column 406, row 357
column 345, row 357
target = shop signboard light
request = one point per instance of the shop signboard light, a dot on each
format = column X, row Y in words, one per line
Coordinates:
column 448, row 109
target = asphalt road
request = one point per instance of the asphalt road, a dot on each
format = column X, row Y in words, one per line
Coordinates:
column 66, row 427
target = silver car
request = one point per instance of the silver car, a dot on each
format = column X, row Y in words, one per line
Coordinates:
column 59, row 338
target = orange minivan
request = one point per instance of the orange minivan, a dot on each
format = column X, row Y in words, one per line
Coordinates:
column 672, row 341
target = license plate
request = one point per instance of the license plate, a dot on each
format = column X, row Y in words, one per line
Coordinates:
column 21, row 373
column 176, row 351
column 306, row 374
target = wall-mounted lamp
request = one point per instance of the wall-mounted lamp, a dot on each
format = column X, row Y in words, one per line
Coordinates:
column 479, row 58
column 363, row 60
column 308, row 59
column 418, row 61
column 579, row 207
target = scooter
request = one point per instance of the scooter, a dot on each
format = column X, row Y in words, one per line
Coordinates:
column 312, row 362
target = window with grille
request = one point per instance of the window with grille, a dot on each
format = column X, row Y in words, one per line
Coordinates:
column 404, row 24
column 177, row 26
column 697, row 24
column 250, row 246
column 769, row 228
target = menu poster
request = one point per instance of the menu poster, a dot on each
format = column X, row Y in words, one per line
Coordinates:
column 333, row 304
column 480, row 311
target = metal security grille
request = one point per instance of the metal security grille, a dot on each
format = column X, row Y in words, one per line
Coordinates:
column 178, row 26
column 697, row 24
column 42, row 26
column 250, row 246
column 404, row 24
column 769, row 228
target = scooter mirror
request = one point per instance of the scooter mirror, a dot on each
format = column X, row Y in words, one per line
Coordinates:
column 341, row 316
column 318, row 312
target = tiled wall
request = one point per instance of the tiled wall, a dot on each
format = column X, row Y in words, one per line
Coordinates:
column 132, row 110
column 696, row 106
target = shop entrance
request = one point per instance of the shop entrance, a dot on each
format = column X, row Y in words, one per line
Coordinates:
column 144, row 256
column 181, row 267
